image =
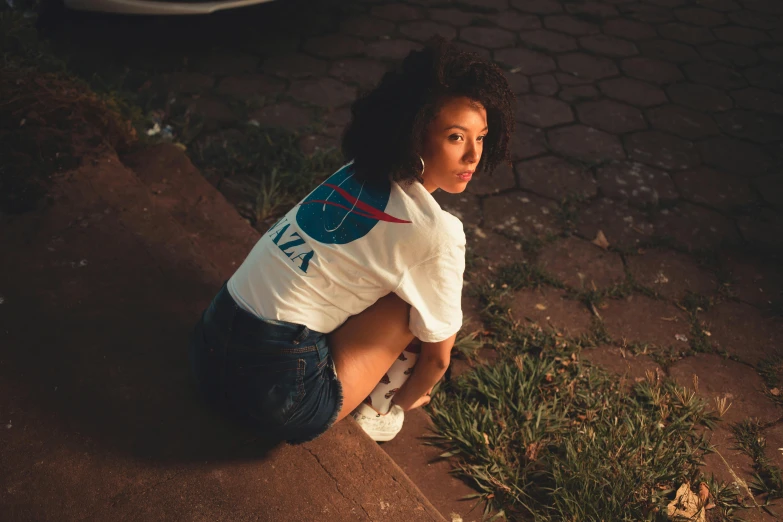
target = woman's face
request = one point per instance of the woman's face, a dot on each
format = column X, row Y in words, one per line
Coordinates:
column 453, row 144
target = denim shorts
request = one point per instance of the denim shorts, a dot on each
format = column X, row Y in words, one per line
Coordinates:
column 275, row 376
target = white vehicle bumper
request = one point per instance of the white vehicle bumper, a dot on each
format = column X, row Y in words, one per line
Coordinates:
column 148, row 7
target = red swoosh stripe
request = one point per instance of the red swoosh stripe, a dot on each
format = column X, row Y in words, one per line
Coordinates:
column 369, row 211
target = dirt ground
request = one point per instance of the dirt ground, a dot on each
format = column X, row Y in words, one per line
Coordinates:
column 658, row 122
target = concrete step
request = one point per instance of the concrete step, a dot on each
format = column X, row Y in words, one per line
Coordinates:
column 100, row 291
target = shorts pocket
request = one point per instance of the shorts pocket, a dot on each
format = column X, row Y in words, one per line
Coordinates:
column 269, row 392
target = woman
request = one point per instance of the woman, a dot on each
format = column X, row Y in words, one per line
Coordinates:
column 326, row 314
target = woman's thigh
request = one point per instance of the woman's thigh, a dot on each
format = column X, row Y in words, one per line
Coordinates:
column 366, row 346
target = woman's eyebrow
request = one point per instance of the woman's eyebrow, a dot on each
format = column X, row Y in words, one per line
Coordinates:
column 460, row 127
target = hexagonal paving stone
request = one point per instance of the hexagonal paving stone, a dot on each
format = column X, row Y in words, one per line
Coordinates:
column 515, row 21
column 662, row 150
column 699, row 97
column 391, row 49
column 397, row 12
column 640, row 319
column 570, row 25
column 741, row 35
column 651, row 70
column 761, row 128
column 283, row 114
column 753, row 19
column 585, row 143
column 586, row 66
column 735, row 156
column 579, row 264
column 719, row 377
column 695, row 227
column 689, row 34
column 720, row 5
column 668, row 51
column 366, row 26
column 682, row 121
column 323, row 92
column 700, row 16
column 633, row 91
column 714, row 74
column 521, row 214
column 762, row 230
column 755, row 280
column 493, row 249
column 525, row 61
column 628, row 29
column 455, row 17
column 537, row 6
column 501, row 178
column 611, row 116
column 620, row 362
column 527, row 142
column 647, row 13
column 555, row 178
column 770, row 188
column 638, row 184
column 187, row 82
column 713, row 188
column 767, row 76
column 361, row 71
column 548, row 40
column 549, row 308
column 543, row 111
column 248, row 86
column 759, row 100
column 671, row 274
column 608, row 45
column 579, row 93
column 333, row 46
column 544, row 84
column 744, row 331
column 294, row 65
column 423, row 30
column 486, row 5
column 623, row 226
column 728, row 53
column 589, row 9
column 225, row 63
column 518, row 83
column 489, row 37
column 772, row 53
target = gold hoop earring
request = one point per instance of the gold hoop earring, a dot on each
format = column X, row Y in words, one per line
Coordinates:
column 422, row 165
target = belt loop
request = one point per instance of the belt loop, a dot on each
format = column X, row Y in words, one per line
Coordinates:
column 303, row 333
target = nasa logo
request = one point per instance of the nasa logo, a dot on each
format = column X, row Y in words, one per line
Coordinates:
column 343, row 209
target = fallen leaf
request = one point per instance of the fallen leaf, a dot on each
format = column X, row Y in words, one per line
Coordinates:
column 687, row 504
column 681, row 338
column 486, row 439
column 600, row 240
column 540, row 306
column 775, row 391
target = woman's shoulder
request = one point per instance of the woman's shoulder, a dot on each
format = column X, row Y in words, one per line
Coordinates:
column 440, row 227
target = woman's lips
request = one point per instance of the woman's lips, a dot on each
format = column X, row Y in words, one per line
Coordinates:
column 465, row 176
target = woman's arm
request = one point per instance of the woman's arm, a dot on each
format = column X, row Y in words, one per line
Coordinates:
column 430, row 367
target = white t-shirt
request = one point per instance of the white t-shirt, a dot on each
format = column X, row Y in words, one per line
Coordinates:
column 345, row 246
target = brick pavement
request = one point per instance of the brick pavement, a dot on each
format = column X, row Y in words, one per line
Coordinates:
column 659, row 121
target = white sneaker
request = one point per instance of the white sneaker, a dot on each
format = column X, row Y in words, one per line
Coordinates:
column 380, row 428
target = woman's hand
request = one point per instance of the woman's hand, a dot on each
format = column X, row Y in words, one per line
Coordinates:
column 422, row 401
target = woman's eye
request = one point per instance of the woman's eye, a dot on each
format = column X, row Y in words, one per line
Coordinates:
column 481, row 138
column 455, row 137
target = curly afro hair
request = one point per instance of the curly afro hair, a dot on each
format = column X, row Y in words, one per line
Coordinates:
column 388, row 124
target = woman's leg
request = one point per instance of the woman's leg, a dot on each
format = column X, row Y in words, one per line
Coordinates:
column 380, row 398
column 366, row 346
